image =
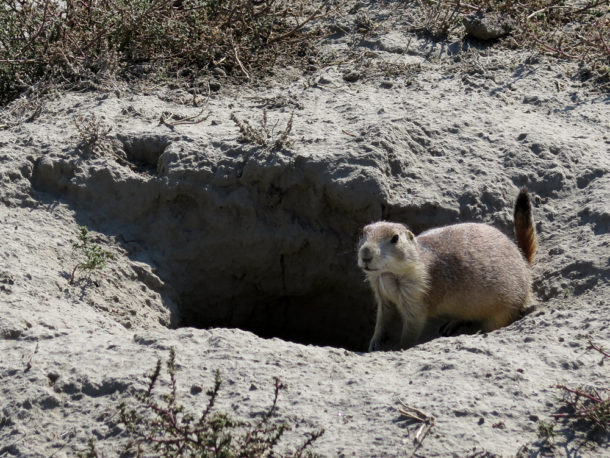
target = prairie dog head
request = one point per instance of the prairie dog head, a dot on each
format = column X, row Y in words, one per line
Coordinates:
column 387, row 248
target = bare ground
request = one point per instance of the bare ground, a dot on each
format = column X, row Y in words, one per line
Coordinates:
column 209, row 230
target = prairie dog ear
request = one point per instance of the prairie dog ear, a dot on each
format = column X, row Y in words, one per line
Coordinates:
column 410, row 235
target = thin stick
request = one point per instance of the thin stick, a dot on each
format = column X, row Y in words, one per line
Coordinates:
column 598, row 348
column 190, row 119
column 294, row 30
column 412, row 412
column 239, row 61
column 580, row 393
column 427, row 422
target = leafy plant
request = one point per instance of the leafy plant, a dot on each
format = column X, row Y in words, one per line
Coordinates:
column 95, row 257
column 163, row 427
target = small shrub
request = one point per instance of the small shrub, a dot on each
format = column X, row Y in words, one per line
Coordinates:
column 264, row 135
column 546, row 431
column 577, row 31
column 588, row 404
column 95, row 257
column 440, row 17
column 584, row 408
column 89, row 43
column 164, row 428
column 93, row 133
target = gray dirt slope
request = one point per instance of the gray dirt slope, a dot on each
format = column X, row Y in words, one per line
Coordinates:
column 211, row 233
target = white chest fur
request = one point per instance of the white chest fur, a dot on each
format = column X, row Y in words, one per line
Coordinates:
column 389, row 288
column 404, row 291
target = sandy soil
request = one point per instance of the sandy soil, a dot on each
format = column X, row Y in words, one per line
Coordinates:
column 209, row 230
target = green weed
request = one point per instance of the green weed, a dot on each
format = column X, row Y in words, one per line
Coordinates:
column 94, row 256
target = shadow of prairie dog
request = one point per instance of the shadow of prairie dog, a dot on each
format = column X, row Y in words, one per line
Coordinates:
column 469, row 272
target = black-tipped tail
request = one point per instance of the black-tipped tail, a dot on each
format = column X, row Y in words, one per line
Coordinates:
column 525, row 231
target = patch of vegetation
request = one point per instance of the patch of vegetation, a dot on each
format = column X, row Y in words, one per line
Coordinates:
column 264, row 135
column 587, row 404
column 546, row 431
column 439, row 17
column 92, row 133
column 73, row 43
column 77, row 42
column 160, row 425
column 584, row 408
column 578, row 30
column 95, row 257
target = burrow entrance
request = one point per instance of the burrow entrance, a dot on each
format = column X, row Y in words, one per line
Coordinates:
column 246, row 240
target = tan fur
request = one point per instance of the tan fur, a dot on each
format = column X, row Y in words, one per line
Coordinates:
column 465, row 271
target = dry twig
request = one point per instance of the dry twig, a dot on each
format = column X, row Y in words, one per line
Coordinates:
column 589, row 404
column 173, row 120
column 599, row 349
column 427, row 422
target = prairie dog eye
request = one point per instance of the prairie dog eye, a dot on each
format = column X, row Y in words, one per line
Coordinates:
column 394, row 238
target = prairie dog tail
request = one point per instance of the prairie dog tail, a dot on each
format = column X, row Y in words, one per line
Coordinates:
column 525, row 232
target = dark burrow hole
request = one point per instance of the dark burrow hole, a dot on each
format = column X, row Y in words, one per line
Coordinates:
column 340, row 313
column 144, row 152
column 319, row 318
column 292, row 281
column 272, row 252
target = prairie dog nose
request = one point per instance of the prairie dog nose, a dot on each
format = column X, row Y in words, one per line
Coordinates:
column 366, row 254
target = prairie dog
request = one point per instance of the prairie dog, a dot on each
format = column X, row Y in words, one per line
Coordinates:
column 469, row 272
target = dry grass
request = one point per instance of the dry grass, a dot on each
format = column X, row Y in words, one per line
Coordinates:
column 578, row 29
column 78, row 43
column 92, row 133
column 92, row 41
column 583, row 409
column 425, row 421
